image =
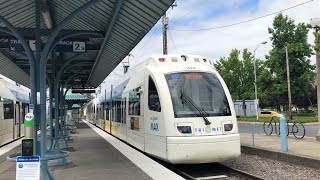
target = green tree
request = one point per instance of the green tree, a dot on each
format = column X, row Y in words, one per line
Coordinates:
column 229, row 70
column 239, row 74
column 285, row 33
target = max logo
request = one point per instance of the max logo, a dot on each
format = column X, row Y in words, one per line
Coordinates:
column 216, row 129
column 154, row 126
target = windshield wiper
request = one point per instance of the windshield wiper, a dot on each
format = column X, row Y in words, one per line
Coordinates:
column 199, row 112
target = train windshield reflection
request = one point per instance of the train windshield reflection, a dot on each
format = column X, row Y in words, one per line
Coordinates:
column 205, row 91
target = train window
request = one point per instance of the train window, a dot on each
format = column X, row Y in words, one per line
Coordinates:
column 134, row 102
column 101, row 111
column 107, row 111
column 194, row 92
column 118, row 111
column 124, row 110
column 153, row 97
column 8, row 108
column 24, row 112
column 113, row 111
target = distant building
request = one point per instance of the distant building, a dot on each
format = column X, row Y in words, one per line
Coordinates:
column 250, row 109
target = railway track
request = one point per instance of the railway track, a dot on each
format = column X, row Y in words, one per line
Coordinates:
column 210, row 171
column 202, row 171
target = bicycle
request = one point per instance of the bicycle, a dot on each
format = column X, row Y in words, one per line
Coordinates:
column 295, row 127
column 268, row 127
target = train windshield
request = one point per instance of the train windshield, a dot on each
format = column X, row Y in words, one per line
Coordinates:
column 192, row 91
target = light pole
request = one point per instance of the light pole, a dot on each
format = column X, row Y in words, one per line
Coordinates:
column 256, row 104
column 315, row 23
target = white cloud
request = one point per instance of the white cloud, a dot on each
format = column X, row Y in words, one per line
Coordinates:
column 195, row 14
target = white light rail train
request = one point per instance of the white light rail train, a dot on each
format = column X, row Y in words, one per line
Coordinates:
column 176, row 108
column 14, row 104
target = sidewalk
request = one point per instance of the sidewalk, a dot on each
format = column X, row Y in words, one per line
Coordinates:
column 97, row 155
column 304, row 151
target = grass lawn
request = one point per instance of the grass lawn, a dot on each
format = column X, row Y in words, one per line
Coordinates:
column 303, row 119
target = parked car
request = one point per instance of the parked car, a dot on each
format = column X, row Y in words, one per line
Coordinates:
column 270, row 114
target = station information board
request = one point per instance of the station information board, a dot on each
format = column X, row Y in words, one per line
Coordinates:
column 28, row 168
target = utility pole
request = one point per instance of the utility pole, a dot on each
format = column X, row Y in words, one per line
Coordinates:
column 317, row 49
column 289, row 88
column 164, row 32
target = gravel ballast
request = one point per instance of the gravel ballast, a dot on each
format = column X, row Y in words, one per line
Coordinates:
column 272, row 169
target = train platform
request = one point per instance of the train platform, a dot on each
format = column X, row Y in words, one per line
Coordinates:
column 305, row 152
column 97, row 155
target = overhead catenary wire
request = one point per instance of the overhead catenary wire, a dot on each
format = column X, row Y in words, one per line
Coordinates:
column 173, row 41
column 245, row 21
column 181, row 17
column 155, row 30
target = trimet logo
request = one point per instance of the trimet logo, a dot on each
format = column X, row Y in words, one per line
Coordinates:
column 20, row 165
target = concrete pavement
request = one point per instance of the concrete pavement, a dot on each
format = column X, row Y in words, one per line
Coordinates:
column 95, row 156
column 300, row 151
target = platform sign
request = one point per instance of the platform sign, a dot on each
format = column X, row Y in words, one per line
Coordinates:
column 62, row 46
column 71, row 46
column 31, row 108
column 79, row 46
column 28, row 168
column 15, row 45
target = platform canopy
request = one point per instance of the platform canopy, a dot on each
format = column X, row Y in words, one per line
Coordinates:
column 108, row 31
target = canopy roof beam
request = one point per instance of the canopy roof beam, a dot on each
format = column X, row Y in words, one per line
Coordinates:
column 114, row 15
column 28, row 33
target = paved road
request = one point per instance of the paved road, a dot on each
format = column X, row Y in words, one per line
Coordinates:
column 311, row 129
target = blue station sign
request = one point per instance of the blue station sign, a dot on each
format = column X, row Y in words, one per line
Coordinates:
column 70, row 46
column 15, row 45
column 62, row 46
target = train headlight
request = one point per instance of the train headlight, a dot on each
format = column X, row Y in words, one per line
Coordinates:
column 184, row 129
column 228, row 127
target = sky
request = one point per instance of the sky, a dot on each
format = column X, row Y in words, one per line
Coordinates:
column 217, row 43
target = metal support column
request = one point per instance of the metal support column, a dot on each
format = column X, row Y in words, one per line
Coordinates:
column 52, row 95
column 61, row 111
column 50, row 112
column 42, row 74
column 56, row 116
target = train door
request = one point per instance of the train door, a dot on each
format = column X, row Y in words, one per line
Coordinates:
column 118, row 121
column 135, row 125
column 25, row 109
column 123, row 117
column 21, row 115
column 120, row 118
column 155, row 142
column 16, row 121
